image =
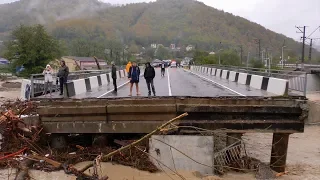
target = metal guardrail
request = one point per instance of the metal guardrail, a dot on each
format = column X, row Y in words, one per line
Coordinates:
column 299, row 65
column 297, row 79
column 38, row 83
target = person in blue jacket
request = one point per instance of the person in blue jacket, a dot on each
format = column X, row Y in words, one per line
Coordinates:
column 134, row 75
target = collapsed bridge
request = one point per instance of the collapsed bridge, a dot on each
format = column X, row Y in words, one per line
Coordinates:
column 233, row 115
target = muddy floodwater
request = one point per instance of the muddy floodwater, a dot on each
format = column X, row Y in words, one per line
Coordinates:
column 303, row 162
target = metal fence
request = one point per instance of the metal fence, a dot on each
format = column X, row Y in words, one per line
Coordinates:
column 38, row 83
column 297, row 79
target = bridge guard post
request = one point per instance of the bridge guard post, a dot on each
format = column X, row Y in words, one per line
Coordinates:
column 279, row 151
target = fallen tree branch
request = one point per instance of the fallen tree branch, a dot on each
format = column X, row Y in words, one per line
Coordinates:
column 13, row 154
column 106, row 157
column 50, row 161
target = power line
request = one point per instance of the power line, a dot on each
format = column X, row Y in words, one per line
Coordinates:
column 313, row 31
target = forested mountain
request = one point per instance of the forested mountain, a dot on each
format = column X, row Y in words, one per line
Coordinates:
column 181, row 22
column 45, row 11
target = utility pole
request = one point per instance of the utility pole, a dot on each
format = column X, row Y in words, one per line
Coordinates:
column 248, row 58
column 219, row 58
column 258, row 41
column 303, row 31
column 266, row 57
column 282, row 54
column 282, row 60
column 310, row 50
column 259, row 48
column 241, row 51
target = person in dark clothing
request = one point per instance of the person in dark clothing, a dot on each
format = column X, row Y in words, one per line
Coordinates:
column 133, row 75
column 149, row 75
column 163, row 69
column 114, row 76
column 63, row 75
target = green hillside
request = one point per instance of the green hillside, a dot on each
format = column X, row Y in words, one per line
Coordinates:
column 181, row 22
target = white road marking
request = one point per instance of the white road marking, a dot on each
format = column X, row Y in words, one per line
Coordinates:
column 216, row 83
column 113, row 89
column 169, row 84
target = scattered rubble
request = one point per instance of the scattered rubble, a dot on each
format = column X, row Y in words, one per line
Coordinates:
column 23, row 148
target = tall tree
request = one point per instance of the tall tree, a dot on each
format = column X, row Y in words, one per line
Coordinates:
column 162, row 53
column 32, row 47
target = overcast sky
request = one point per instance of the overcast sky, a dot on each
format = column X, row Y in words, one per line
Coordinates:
column 278, row 15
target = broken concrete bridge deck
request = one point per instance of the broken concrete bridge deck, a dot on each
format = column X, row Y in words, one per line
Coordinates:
column 142, row 115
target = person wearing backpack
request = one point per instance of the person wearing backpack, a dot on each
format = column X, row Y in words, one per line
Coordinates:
column 133, row 75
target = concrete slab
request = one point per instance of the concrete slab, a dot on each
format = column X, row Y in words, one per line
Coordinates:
column 110, row 77
column 79, row 86
column 93, row 82
column 242, row 78
column 232, row 76
column 218, row 74
column 209, row 71
column 199, row 148
column 224, row 74
column 122, row 73
column 213, row 72
column 256, row 81
column 104, row 79
column 118, row 75
column 278, row 86
column 100, row 90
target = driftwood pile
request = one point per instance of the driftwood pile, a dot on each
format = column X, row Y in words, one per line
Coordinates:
column 23, row 147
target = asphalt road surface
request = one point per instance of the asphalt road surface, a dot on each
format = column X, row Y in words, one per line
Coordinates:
column 177, row 82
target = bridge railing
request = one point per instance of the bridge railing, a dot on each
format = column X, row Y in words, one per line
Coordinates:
column 297, row 79
column 38, row 82
column 299, row 65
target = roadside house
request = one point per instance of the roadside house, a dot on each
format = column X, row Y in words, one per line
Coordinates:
column 80, row 63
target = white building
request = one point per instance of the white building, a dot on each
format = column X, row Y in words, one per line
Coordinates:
column 154, row 46
column 189, row 48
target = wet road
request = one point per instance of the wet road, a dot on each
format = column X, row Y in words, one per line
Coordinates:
column 176, row 82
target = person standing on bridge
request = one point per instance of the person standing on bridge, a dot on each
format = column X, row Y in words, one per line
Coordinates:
column 163, row 68
column 149, row 75
column 133, row 75
column 48, row 79
column 114, row 76
column 63, row 75
column 128, row 66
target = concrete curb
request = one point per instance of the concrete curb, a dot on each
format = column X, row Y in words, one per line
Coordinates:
column 81, row 86
column 269, row 84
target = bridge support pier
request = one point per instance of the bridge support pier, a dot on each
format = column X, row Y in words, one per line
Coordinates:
column 279, row 151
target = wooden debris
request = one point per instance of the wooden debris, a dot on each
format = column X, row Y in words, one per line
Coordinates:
column 47, row 160
column 106, row 157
